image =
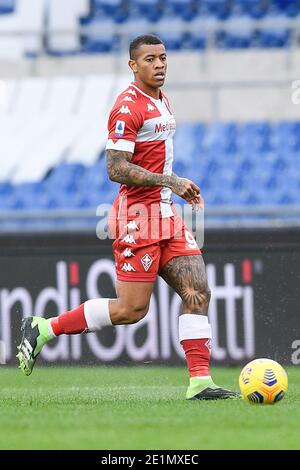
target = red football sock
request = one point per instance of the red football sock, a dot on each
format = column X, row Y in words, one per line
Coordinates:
column 197, row 353
column 71, row 322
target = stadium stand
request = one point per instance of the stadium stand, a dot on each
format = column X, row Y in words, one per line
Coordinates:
column 57, row 162
column 61, row 117
column 93, row 26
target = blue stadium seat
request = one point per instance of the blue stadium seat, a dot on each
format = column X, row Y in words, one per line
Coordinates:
column 168, row 28
column 65, row 175
column 7, row 6
column 31, row 196
column 221, row 9
column 71, row 201
column 255, row 163
column 101, row 45
column 221, row 138
column 94, row 175
column 245, row 165
column 173, row 40
column 107, row 5
column 288, row 7
column 196, row 40
column 185, row 9
column 286, row 137
column 180, row 168
column 116, row 9
column 255, row 8
column 94, row 186
column 6, row 189
column 7, row 202
column 152, row 10
column 101, row 35
column 235, row 39
column 187, row 140
column 255, row 137
column 270, row 38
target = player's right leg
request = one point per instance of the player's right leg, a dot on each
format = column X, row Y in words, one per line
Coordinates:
column 130, row 307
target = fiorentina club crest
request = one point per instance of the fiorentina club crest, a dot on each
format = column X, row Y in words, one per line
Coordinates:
column 146, row 261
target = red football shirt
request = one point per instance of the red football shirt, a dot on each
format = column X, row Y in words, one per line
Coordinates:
column 144, row 126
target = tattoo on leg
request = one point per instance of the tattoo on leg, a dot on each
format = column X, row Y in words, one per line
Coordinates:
column 187, row 276
column 196, row 312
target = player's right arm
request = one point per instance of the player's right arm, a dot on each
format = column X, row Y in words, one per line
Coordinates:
column 121, row 170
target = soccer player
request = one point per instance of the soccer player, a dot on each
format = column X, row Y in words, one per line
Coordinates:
column 150, row 237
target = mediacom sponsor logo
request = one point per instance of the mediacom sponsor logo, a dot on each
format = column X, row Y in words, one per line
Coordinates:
column 165, row 127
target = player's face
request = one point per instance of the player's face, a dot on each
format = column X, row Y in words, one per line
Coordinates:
column 150, row 65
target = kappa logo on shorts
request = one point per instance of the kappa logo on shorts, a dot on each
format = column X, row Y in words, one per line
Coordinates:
column 127, row 253
column 127, row 267
column 146, row 261
column 129, row 239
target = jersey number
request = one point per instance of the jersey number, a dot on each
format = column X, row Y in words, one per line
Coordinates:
column 190, row 240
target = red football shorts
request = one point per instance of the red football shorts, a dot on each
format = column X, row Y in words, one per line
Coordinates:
column 143, row 246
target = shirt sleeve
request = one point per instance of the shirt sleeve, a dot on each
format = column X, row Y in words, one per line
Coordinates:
column 123, row 125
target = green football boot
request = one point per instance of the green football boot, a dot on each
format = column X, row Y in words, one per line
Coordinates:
column 35, row 335
column 205, row 389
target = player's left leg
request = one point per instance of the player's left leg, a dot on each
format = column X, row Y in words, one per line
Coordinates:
column 187, row 276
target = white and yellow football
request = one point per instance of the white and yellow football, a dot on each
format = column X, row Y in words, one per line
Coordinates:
column 263, row 381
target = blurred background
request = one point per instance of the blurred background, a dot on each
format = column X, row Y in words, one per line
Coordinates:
column 232, row 68
column 233, row 78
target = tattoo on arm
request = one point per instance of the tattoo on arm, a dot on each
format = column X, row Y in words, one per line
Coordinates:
column 187, row 276
column 121, row 170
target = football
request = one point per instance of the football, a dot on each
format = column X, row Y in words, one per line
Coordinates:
column 263, row 381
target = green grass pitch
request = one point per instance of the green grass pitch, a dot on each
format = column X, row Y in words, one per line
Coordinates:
column 137, row 408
